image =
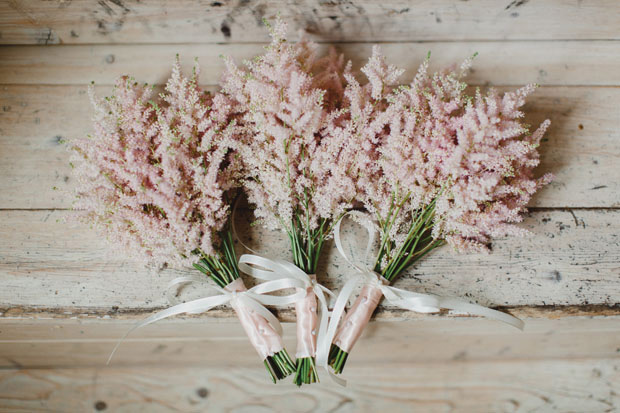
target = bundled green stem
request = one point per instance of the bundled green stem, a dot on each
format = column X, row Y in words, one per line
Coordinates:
column 392, row 260
column 418, row 243
column 306, row 371
column 223, row 269
column 337, row 358
column 306, row 245
column 279, row 365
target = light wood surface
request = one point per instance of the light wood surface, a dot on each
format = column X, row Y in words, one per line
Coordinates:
column 65, row 298
column 531, row 386
column 552, row 63
column 430, row 364
column 219, row 343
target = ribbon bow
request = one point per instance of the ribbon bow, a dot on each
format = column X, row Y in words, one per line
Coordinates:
column 421, row 303
column 277, row 269
column 254, row 298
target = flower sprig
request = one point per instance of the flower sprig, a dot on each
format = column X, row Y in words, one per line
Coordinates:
column 437, row 165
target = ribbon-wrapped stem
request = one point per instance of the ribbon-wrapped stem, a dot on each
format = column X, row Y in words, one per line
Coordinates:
column 262, row 327
column 267, row 342
column 262, row 335
column 307, row 320
column 311, row 307
column 341, row 336
column 353, row 325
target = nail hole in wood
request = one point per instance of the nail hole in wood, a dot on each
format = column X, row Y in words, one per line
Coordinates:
column 100, row 405
column 202, row 392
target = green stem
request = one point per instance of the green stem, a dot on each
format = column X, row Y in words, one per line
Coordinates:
column 306, row 371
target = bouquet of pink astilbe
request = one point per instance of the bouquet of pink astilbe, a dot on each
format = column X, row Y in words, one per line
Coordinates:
column 435, row 165
column 297, row 161
column 159, row 176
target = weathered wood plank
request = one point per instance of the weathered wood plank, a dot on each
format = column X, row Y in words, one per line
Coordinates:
column 186, row 21
column 582, row 147
column 571, row 259
column 526, row 386
column 204, row 341
column 499, row 63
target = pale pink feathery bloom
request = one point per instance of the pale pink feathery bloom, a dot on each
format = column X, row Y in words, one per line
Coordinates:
column 295, row 156
column 297, row 160
column 433, row 165
column 430, row 141
column 157, row 172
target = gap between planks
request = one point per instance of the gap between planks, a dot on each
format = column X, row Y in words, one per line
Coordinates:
column 284, row 315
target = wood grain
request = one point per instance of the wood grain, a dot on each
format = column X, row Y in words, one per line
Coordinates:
column 582, row 147
column 187, row 21
column 525, row 386
column 209, row 342
column 498, row 63
column 65, row 298
column 571, row 259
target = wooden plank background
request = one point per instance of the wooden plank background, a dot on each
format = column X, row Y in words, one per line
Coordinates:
column 64, row 299
column 471, row 366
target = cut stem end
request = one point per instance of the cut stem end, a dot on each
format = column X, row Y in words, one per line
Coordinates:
column 337, row 358
column 279, row 365
column 306, row 371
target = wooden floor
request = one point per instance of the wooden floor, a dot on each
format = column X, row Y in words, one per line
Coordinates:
column 64, row 300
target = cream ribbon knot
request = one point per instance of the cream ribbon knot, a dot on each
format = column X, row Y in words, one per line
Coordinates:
column 268, row 269
column 421, row 303
column 255, row 299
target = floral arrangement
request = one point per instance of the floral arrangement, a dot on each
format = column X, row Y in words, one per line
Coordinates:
column 430, row 163
column 159, row 176
column 296, row 167
column 436, row 166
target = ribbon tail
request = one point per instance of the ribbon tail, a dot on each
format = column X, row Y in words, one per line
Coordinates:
column 323, row 343
column 420, row 303
column 118, row 344
column 324, row 320
column 199, row 305
column 174, row 286
column 277, row 285
column 326, row 341
column 430, row 303
column 475, row 309
column 338, row 380
column 330, row 294
column 249, row 264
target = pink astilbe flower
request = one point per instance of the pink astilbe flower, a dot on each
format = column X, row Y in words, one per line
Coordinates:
column 434, row 165
column 159, row 177
column 297, row 159
column 490, row 171
column 430, row 143
column 295, row 156
column 157, row 173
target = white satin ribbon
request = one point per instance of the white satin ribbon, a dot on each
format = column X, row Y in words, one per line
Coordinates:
column 421, row 303
column 254, row 299
column 276, row 269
